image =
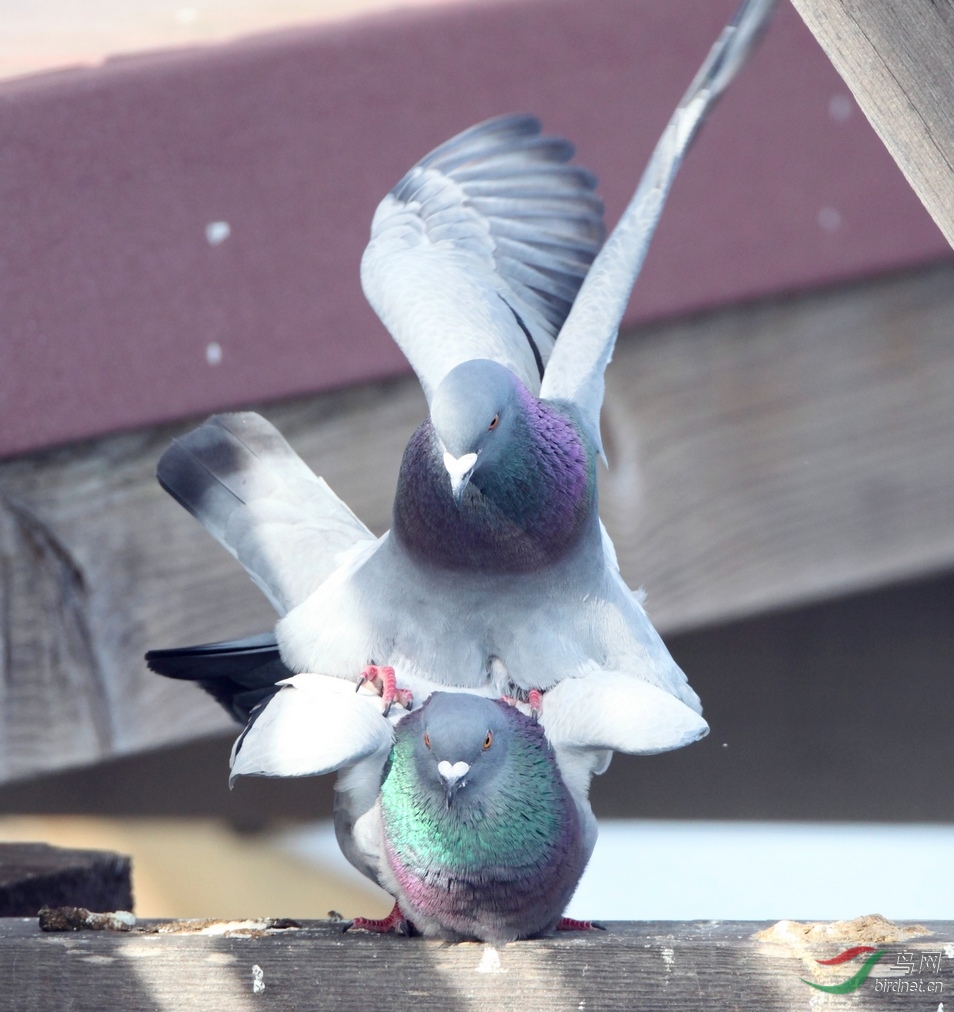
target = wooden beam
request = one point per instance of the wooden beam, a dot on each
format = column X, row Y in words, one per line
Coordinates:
column 897, row 57
column 784, row 452
column 634, row 966
column 767, row 455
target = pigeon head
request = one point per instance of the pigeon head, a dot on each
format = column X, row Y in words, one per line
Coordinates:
column 473, row 412
column 460, row 743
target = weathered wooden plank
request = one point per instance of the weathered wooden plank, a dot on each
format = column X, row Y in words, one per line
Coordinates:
column 897, row 56
column 770, row 454
column 633, row 966
column 784, row 452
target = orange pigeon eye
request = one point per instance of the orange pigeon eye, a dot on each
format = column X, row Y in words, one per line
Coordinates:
column 493, row 424
column 427, row 739
column 489, row 740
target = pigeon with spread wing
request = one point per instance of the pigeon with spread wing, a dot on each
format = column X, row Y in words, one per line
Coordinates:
column 488, row 266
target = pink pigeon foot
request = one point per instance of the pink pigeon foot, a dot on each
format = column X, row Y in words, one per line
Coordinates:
column 394, row 922
column 382, row 678
column 571, row 924
column 534, row 700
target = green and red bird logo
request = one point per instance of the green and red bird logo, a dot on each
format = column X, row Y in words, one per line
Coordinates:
column 855, row 981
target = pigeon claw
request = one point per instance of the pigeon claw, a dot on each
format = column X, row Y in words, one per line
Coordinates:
column 381, row 676
column 572, row 924
column 404, row 698
column 395, row 923
column 534, row 700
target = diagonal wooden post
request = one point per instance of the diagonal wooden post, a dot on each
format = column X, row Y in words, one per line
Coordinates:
column 897, row 57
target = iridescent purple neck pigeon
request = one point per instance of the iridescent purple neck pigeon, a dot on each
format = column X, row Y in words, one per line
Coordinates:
column 525, row 496
column 486, row 262
column 480, row 836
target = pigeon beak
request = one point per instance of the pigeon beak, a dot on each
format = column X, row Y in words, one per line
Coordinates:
column 460, row 469
column 453, row 777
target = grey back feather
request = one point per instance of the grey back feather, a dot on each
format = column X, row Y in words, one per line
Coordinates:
column 241, row 480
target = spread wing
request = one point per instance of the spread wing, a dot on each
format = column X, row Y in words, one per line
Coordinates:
column 585, row 346
column 611, row 710
column 314, row 724
column 480, row 250
column 242, row 481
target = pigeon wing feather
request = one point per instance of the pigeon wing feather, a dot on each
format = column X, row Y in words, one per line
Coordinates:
column 315, row 724
column 241, row 480
column 480, row 249
column 585, row 346
column 611, row 710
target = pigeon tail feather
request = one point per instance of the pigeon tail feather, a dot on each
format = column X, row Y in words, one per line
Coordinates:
column 239, row 674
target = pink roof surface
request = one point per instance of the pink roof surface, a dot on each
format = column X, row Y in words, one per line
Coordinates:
column 116, row 309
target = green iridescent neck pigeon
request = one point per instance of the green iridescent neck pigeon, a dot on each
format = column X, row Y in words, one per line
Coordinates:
column 478, row 835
